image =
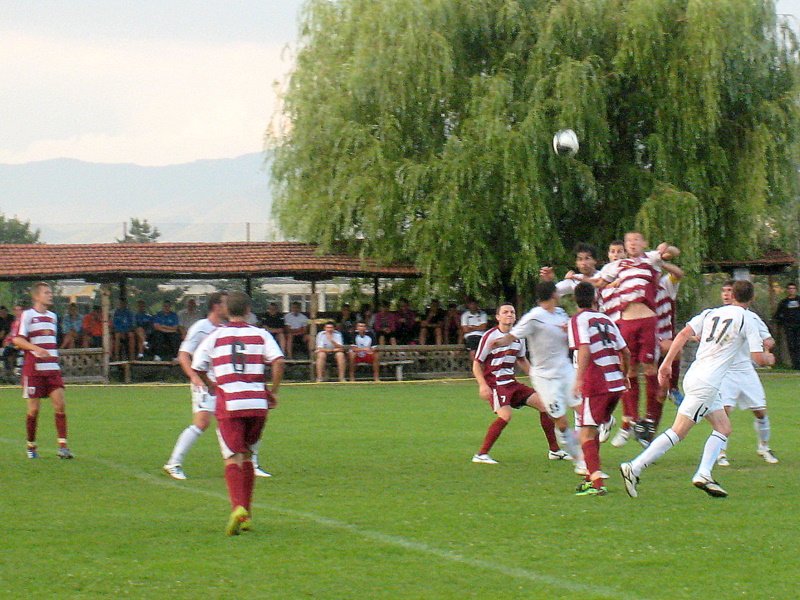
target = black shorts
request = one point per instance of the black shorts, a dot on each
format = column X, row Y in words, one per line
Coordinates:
column 472, row 341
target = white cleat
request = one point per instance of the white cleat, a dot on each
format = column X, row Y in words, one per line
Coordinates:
column 484, row 459
column 722, row 460
column 622, row 437
column 709, row 486
column 580, row 468
column 174, row 471
column 559, row 455
column 604, row 475
column 604, row 431
column 260, row 472
column 765, row 453
column 631, row 480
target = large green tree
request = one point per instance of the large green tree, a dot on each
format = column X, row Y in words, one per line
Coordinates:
column 15, row 231
column 421, row 129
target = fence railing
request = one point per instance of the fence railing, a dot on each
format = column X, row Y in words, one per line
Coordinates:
column 82, row 365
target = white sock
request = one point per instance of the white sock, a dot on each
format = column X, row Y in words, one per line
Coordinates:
column 570, row 444
column 763, row 430
column 186, row 440
column 715, row 443
column 657, row 448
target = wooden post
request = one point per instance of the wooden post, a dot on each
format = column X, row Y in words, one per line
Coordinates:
column 248, row 287
column 376, row 294
column 313, row 310
column 105, row 305
column 123, row 289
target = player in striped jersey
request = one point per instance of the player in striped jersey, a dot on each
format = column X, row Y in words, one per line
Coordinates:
column 236, row 354
column 494, row 370
column 601, row 358
column 41, row 373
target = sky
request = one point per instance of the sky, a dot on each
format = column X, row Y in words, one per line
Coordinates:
column 147, row 82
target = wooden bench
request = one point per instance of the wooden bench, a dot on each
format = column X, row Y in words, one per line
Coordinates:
column 126, row 366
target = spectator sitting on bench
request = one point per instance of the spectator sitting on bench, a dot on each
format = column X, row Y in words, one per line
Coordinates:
column 188, row 316
column 296, row 328
column 330, row 343
column 363, row 351
column 166, row 337
column 347, row 324
column 473, row 325
column 406, row 322
column 71, row 326
column 93, row 328
column 386, row 325
column 433, row 324
column 124, row 331
column 143, row 322
column 274, row 322
column 452, row 325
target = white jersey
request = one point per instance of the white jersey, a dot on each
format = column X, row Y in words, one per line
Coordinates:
column 327, row 344
column 198, row 332
column 743, row 360
column 363, row 341
column 474, row 319
column 723, row 332
column 546, row 336
column 565, row 287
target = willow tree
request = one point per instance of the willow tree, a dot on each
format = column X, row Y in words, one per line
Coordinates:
column 420, row 130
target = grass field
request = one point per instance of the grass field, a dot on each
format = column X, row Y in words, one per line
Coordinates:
column 374, row 497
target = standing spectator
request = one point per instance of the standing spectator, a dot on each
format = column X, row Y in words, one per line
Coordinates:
column 143, row 322
column 366, row 315
column 93, row 328
column 188, row 316
column 166, row 337
column 347, row 324
column 71, row 327
column 296, row 328
column 386, row 325
column 330, row 343
column 406, row 322
column 274, row 322
column 473, row 324
column 452, row 325
column 124, row 330
column 433, row 324
column 788, row 317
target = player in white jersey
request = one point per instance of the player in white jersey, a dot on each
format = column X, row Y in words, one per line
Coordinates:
column 585, row 263
column 722, row 332
column 552, row 372
column 742, row 387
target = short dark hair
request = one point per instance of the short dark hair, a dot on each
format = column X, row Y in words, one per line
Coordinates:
column 215, row 299
column 584, row 294
column 728, row 283
column 501, row 305
column 452, row 305
column 544, row 291
column 238, row 304
column 361, row 322
column 616, row 243
column 794, row 285
column 295, row 303
column 275, row 304
column 743, row 291
column 581, row 247
column 331, row 323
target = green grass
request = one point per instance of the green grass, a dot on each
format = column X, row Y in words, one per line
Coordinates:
column 374, row 497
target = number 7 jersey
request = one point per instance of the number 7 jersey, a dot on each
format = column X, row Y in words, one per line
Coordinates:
column 722, row 332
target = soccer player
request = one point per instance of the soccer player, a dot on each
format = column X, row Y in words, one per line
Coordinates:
column 363, row 351
column 743, row 388
column 493, row 368
column 585, row 263
column 236, row 354
column 41, row 373
column 552, row 373
column 722, row 332
column 602, row 359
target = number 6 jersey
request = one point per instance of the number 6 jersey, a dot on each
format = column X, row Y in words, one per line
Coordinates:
column 237, row 354
column 596, row 330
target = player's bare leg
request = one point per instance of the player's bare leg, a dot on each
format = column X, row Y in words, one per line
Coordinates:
column 31, row 422
column 504, row 414
column 341, row 365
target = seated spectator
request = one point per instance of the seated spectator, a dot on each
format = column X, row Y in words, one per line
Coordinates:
column 143, row 322
column 274, row 322
column 93, row 328
column 71, row 327
column 296, row 329
column 11, row 354
column 385, row 325
column 366, row 315
column 124, row 331
column 363, row 351
column 347, row 324
column 473, row 323
column 406, row 323
column 188, row 316
column 431, row 328
column 452, row 325
column 5, row 322
column 166, row 337
column 330, row 343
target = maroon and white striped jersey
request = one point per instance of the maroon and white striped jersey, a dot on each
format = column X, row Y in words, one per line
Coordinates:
column 604, row 374
column 237, row 355
column 39, row 329
column 665, row 307
column 608, row 303
column 638, row 279
column 498, row 363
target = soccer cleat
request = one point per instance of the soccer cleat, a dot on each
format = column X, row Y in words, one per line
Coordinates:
column 238, row 516
column 604, row 475
column 65, row 453
column 260, row 472
column 580, row 468
column 32, row 452
column 559, row 455
column 630, row 479
column 765, row 453
column 676, row 395
column 644, row 431
column 722, row 460
column 174, row 471
column 622, row 437
column 709, row 486
column 247, row 525
column 604, row 431
column 592, row 491
column 583, row 486
column 484, row 459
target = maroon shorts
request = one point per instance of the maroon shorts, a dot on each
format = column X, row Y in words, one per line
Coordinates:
column 512, row 394
column 238, row 435
column 640, row 335
column 41, row 386
column 596, row 410
column 366, row 358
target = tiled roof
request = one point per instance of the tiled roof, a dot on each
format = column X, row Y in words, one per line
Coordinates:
column 189, row 260
column 771, row 258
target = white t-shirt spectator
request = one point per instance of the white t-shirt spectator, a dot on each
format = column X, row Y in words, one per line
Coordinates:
column 324, row 342
column 472, row 319
column 295, row 320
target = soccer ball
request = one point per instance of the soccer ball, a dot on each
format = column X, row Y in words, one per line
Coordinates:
column 565, row 142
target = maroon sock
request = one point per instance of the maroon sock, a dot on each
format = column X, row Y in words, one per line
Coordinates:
column 655, row 404
column 30, row 425
column 248, row 479
column 591, row 454
column 676, row 373
column 630, row 400
column 495, row 429
column 61, row 428
column 234, row 477
column 549, row 429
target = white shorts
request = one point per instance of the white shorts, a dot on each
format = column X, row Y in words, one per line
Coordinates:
column 556, row 393
column 699, row 399
column 744, row 390
column 202, row 401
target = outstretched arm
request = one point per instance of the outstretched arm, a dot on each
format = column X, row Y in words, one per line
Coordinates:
column 665, row 370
